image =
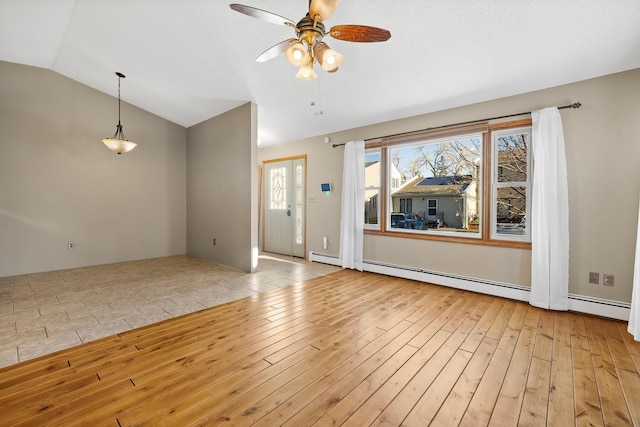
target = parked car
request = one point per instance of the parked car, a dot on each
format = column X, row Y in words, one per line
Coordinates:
column 406, row 220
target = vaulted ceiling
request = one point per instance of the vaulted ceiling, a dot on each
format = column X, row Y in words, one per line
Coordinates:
column 190, row 60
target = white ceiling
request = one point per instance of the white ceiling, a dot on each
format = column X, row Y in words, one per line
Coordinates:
column 190, row 60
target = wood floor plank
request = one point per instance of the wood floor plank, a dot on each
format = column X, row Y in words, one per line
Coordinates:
column 378, row 401
column 309, row 388
column 535, row 401
column 561, row 391
column 482, row 327
column 612, row 399
column 262, row 399
column 587, row 403
column 343, row 409
column 617, row 347
column 630, row 383
column 500, row 323
column 411, row 394
column 349, row 348
column 456, row 403
column 200, row 402
column 509, row 403
column 431, row 401
column 633, row 346
column 544, row 337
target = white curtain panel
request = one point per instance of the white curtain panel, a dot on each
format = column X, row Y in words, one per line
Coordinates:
column 634, row 317
column 352, row 212
column 549, row 213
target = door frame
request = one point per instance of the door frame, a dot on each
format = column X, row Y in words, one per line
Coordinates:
column 262, row 198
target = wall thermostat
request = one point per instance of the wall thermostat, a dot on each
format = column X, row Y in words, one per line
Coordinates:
column 326, row 187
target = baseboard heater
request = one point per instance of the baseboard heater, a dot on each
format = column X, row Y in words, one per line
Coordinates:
column 580, row 303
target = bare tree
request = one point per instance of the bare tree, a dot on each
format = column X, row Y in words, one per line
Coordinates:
column 512, row 168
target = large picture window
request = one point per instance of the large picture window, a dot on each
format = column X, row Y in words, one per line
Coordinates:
column 467, row 183
column 441, row 183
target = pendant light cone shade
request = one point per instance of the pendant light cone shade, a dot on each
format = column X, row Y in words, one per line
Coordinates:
column 118, row 143
column 297, row 54
column 306, row 72
column 328, row 58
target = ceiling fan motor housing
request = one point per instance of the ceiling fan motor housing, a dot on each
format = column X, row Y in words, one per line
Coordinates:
column 310, row 30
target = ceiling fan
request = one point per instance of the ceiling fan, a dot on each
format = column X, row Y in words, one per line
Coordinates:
column 307, row 47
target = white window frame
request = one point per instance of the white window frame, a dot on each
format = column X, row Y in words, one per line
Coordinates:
column 377, row 188
column 526, row 237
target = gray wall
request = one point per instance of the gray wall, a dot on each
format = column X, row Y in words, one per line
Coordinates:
column 603, row 152
column 222, row 188
column 59, row 182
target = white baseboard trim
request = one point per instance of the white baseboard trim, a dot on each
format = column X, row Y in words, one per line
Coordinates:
column 583, row 304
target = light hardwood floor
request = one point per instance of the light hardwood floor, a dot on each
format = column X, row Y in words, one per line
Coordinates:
column 347, row 348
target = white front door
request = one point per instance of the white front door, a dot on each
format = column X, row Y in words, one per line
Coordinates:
column 284, row 207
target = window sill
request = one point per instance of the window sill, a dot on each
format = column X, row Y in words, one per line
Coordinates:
column 452, row 239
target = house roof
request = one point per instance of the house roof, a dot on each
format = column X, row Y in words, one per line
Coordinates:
column 439, row 186
column 190, row 60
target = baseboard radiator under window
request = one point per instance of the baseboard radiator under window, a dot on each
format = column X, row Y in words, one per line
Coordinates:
column 580, row 303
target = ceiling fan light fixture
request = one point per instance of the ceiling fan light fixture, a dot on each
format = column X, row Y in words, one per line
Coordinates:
column 118, row 143
column 328, row 58
column 308, row 47
column 297, row 54
column 306, row 72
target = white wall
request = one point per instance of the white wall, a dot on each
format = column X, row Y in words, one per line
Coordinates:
column 59, row 183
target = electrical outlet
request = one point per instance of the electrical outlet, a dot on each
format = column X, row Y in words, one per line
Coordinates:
column 594, row 277
column 607, row 279
column 71, row 245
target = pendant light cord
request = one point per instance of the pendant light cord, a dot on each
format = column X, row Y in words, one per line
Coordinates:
column 120, row 75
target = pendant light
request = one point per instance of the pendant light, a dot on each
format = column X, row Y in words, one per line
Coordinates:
column 118, row 143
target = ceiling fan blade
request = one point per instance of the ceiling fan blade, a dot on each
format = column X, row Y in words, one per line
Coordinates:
column 274, row 51
column 359, row 33
column 262, row 14
column 322, row 8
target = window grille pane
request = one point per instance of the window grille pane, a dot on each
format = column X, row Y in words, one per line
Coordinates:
column 512, row 157
column 511, row 205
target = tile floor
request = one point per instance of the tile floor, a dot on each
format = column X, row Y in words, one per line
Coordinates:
column 44, row 312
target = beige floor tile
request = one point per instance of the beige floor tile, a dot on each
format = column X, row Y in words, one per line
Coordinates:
column 91, row 333
column 6, row 308
column 282, row 282
column 22, row 338
column 137, row 321
column 8, row 356
column 61, row 308
column 49, row 345
column 24, row 325
column 213, row 300
column 45, row 312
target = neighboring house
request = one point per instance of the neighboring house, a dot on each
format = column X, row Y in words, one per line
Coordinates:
column 372, row 189
column 443, row 201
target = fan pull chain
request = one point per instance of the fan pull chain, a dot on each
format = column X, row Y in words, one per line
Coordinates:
column 319, row 112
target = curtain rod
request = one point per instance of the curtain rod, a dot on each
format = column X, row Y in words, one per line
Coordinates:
column 574, row 105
